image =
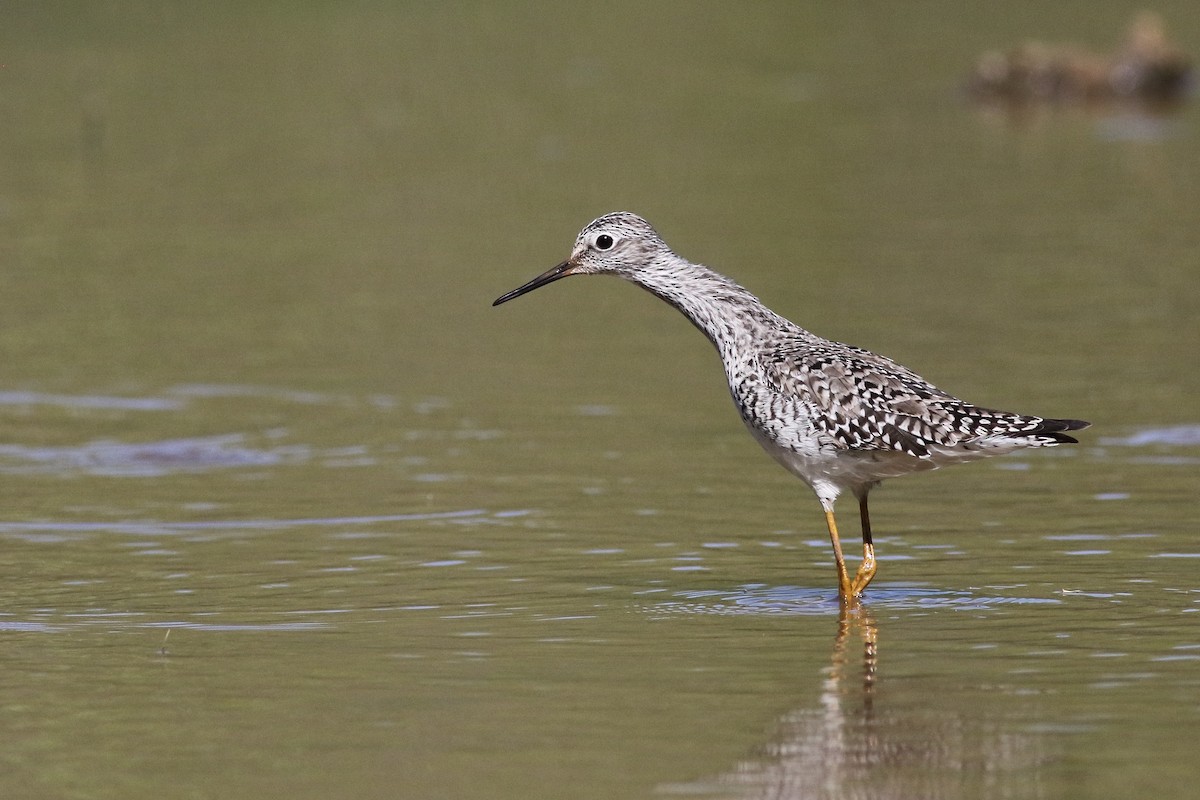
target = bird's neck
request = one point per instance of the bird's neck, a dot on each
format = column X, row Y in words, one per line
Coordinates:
column 731, row 317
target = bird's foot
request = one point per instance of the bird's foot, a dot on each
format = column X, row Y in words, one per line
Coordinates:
column 866, row 571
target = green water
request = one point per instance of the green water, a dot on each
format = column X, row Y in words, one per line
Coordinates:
column 289, row 510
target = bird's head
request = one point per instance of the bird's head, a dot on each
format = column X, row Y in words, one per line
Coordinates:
column 620, row 244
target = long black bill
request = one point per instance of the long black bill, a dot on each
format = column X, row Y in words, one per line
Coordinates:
column 549, row 276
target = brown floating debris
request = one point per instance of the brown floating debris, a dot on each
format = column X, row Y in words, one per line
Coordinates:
column 1147, row 67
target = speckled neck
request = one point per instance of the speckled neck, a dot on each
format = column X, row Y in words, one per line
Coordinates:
column 725, row 312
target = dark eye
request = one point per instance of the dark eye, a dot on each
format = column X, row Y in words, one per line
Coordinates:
column 604, row 241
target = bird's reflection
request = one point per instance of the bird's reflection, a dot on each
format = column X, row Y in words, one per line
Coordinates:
column 813, row 751
column 852, row 745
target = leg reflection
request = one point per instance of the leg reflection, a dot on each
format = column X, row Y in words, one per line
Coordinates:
column 850, row 620
column 842, row 733
column 857, row 742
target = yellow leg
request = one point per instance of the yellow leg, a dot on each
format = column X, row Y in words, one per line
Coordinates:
column 845, row 592
column 866, row 570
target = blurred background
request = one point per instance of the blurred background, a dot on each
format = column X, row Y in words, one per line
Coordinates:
column 407, row 545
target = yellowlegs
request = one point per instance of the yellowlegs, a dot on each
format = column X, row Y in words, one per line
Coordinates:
column 840, row 418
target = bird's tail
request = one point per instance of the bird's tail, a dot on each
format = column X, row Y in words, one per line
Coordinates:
column 1052, row 429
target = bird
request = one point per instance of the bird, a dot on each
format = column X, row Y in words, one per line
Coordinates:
column 840, row 418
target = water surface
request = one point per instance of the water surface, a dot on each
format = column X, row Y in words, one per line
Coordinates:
column 289, row 510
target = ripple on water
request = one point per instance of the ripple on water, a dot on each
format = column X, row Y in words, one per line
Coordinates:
column 110, row 620
column 1173, row 435
column 110, row 458
column 225, row 627
column 44, row 530
column 759, row 599
column 28, row 627
column 148, row 459
column 89, row 401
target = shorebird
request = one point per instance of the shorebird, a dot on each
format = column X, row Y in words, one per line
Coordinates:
column 840, row 418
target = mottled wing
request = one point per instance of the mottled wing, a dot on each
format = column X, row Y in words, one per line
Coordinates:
column 860, row 400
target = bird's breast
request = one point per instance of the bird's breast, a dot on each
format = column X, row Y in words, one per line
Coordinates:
column 777, row 419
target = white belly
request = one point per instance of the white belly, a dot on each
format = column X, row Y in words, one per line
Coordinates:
column 831, row 471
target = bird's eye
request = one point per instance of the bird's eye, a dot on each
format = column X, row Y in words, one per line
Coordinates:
column 604, row 242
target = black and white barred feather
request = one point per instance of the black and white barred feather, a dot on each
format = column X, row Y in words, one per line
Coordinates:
column 860, row 400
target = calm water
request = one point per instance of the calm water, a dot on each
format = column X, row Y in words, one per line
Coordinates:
column 289, row 510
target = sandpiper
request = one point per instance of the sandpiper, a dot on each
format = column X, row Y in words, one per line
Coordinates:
column 840, row 418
